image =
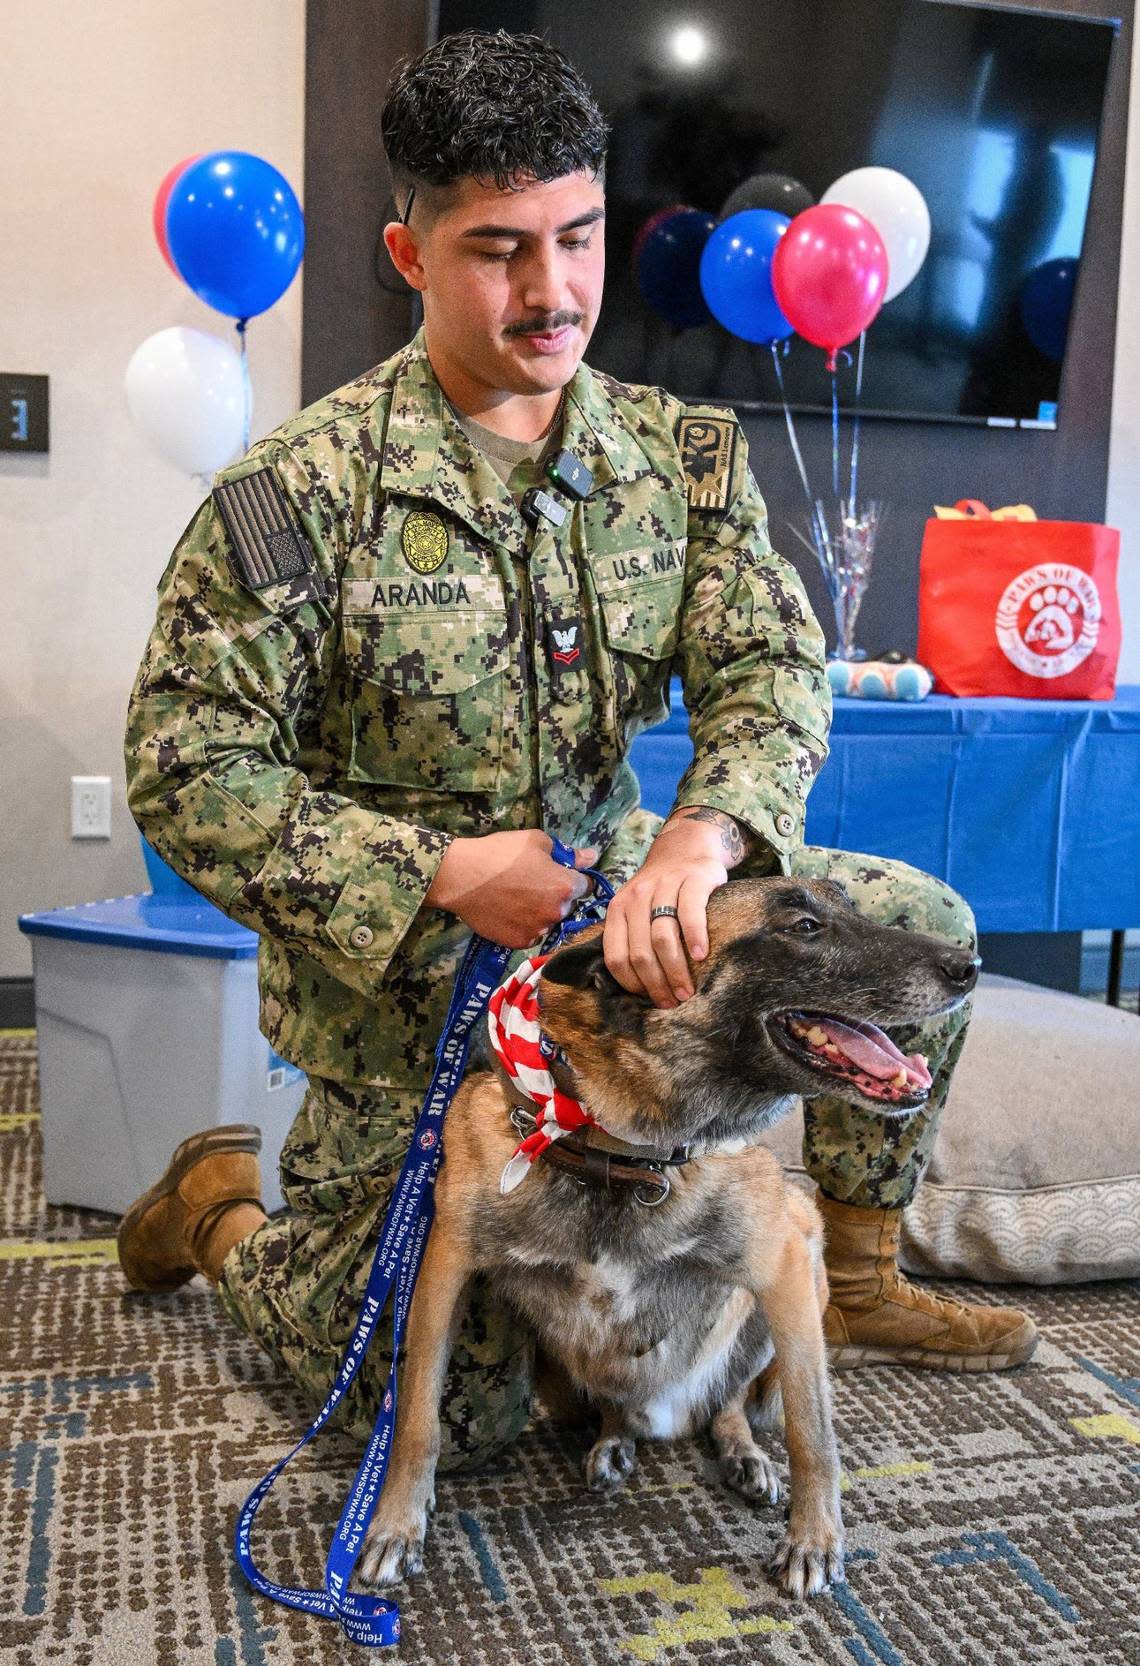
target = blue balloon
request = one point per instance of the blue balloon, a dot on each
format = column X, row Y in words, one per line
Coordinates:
column 1046, row 300
column 236, row 231
column 736, row 274
column 668, row 266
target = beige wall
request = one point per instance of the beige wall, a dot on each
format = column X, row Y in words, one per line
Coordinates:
column 99, row 100
column 1124, row 445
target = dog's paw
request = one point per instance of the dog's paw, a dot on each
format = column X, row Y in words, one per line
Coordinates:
column 610, row 1463
column 748, row 1472
column 392, row 1553
column 807, row 1564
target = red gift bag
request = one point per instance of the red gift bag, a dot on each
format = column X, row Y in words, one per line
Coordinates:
column 1008, row 604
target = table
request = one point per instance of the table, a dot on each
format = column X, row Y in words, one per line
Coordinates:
column 1029, row 808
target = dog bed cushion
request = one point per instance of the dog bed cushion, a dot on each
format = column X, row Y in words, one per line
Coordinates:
column 1035, row 1176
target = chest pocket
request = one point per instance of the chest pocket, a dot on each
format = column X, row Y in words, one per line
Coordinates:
column 642, row 622
column 427, row 697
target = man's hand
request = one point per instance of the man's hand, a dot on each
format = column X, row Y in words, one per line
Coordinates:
column 507, row 887
column 688, row 861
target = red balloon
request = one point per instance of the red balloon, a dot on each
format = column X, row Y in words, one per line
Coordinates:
column 829, row 274
column 158, row 213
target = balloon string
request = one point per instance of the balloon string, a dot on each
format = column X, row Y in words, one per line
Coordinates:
column 796, row 453
column 835, row 431
column 854, row 481
column 246, row 390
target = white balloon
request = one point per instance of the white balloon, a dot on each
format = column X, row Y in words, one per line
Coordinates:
column 186, row 394
column 897, row 209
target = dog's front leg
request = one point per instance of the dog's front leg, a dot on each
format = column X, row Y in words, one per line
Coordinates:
column 393, row 1545
column 810, row 1556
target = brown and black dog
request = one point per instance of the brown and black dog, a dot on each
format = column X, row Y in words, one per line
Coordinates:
column 700, row 1309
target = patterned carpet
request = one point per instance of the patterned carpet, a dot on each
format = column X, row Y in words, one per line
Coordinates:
column 991, row 1520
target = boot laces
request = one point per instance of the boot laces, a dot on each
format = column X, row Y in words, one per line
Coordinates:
column 948, row 1307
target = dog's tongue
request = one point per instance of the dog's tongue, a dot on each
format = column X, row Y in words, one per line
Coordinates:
column 867, row 1046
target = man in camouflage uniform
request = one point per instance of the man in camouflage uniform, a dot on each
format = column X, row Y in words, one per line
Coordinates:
column 375, row 686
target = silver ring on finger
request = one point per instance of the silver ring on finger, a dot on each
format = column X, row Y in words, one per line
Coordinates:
column 665, row 913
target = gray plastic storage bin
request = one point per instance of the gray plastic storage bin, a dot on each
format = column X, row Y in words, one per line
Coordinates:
column 146, row 1026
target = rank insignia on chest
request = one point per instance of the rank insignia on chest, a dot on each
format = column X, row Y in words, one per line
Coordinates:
column 707, row 445
column 564, row 639
column 423, row 539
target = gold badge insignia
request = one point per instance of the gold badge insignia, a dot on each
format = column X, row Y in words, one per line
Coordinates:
column 423, row 539
column 707, row 445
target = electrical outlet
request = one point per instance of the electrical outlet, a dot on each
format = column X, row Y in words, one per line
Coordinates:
column 90, row 806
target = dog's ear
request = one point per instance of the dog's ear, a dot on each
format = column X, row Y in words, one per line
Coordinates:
column 583, row 966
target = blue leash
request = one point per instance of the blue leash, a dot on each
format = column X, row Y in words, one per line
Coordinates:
column 375, row 1621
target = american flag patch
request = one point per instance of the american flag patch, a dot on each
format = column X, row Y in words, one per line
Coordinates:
column 266, row 544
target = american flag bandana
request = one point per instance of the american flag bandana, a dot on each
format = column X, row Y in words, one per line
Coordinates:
column 515, row 1030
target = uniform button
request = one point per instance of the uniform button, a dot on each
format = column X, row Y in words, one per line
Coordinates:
column 785, row 825
column 361, row 937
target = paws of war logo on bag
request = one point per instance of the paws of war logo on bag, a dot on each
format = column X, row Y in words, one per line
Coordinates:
column 1012, row 605
column 1048, row 620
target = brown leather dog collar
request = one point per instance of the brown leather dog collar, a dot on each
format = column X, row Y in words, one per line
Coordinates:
column 637, row 1166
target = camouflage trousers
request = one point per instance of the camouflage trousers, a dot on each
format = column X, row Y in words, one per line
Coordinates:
column 296, row 1283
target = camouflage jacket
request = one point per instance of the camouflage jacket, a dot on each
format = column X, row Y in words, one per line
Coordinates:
column 362, row 650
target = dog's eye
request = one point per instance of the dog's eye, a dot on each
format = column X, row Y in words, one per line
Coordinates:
column 805, row 925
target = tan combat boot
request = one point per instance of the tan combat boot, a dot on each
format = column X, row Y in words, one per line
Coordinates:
column 876, row 1317
column 176, row 1229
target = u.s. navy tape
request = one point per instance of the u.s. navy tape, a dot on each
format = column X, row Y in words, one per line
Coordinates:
column 375, row 1621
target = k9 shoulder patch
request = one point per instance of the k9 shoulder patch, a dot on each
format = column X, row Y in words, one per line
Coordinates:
column 267, row 544
column 707, row 445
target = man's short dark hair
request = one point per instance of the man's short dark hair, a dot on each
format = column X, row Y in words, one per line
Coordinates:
column 490, row 106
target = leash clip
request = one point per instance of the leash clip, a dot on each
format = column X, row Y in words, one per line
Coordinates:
column 522, row 1121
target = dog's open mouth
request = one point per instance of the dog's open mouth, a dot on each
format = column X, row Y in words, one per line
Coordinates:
column 855, row 1052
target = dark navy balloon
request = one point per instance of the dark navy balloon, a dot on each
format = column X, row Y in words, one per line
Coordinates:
column 1046, row 301
column 668, row 266
column 236, row 231
column 736, row 275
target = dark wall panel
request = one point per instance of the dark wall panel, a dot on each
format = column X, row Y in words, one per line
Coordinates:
column 349, row 321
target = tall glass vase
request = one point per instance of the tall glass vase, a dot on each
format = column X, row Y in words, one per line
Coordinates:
column 844, row 546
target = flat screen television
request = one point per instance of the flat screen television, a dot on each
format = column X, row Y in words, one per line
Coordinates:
column 993, row 113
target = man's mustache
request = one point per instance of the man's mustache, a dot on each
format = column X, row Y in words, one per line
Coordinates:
column 544, row 326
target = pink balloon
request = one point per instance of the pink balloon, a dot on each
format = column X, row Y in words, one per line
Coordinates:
column 158, row 212
column 829, row 274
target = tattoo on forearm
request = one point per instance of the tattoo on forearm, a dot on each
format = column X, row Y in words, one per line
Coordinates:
column 734, row 841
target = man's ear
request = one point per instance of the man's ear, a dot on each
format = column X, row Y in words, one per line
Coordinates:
column 404, row 252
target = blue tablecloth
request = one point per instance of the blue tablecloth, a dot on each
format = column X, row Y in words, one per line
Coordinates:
column 1029, row 808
